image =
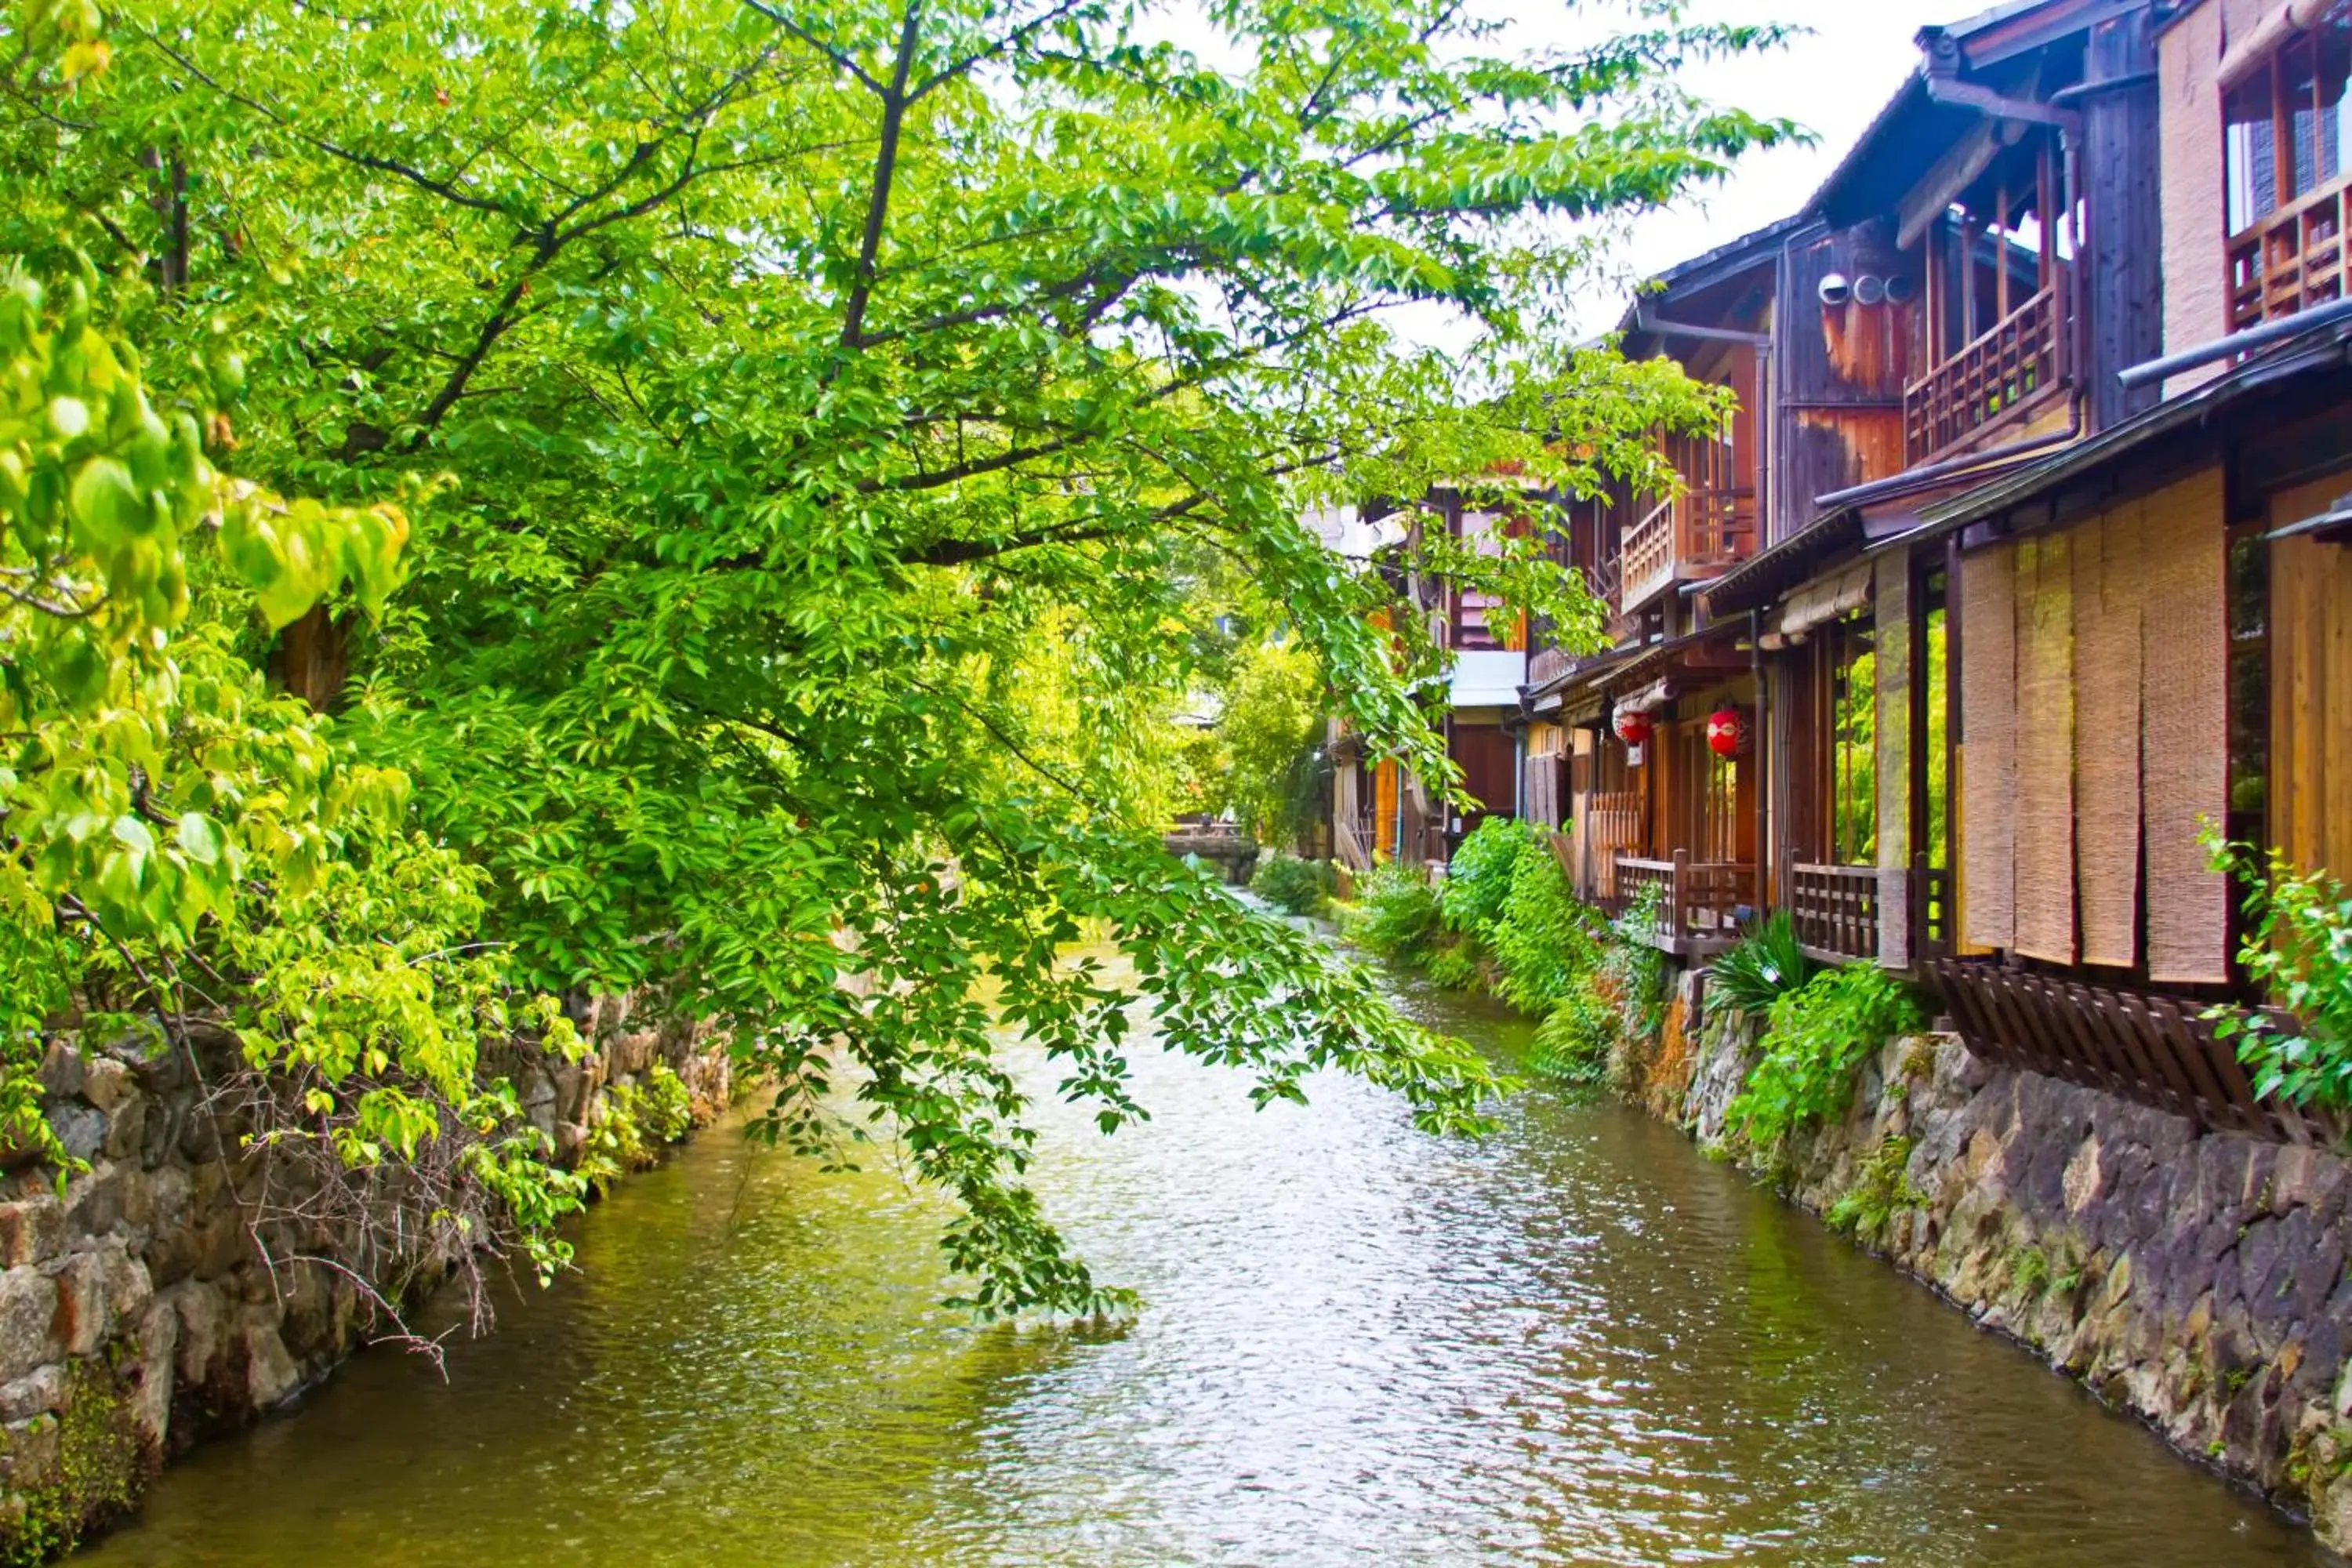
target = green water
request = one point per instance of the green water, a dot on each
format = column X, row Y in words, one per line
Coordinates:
column 1579, row 1342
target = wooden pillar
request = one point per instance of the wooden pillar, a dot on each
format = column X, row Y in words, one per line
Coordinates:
column 1891, row 594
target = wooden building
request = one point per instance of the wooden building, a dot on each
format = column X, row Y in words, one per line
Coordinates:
column 2027, row 560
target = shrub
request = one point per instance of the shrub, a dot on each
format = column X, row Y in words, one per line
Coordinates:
column 1768, row 964
column 1633, row 973
column 1816, row 1038
column 2297, row 949
column 1397, row 915
column 1483, row 871
column 1299, row 887
column 1544, row 940
column 1456, row 962
column 1574, row 1043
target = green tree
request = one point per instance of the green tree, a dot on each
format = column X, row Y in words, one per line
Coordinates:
column 816, row 384
column 1269, row 728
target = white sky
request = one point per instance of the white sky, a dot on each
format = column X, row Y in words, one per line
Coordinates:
column 1832, row 81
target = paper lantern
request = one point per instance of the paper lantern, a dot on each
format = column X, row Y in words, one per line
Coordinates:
column 1726, row 732
column 1632, row 726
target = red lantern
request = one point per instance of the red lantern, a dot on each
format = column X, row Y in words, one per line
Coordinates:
column 1726, row 732
column 1632, row 726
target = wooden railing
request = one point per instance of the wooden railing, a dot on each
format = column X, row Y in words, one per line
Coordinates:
column 1835, row 909
column 1697, row 533
column 1613, row 824
column 2290, row 260
column 2018, row 358
column 1352, row 841
column 1697, row 899
column 2155, row 1049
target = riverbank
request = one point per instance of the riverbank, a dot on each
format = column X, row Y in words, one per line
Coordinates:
column 1575, row 1342
column 141, row 1312
column 2195, row 1283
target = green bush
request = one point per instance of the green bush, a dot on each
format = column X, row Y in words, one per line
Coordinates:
column 2297, row 949
column 1632, row 972
column 1816, row 1040
column 1544, row 940
column 1299, row 887
column 1574, row 1042
column 1457, row 962
column 1397, row 915
column 1767, row 965
column 1483, row 869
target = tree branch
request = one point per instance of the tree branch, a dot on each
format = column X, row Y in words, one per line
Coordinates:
column 886, row 168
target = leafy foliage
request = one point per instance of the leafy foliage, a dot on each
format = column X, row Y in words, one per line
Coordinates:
column 1575, row 1039
column 1816, row 1040
column 1397, row 915
column 1269, row 730
column 2297, row 951
column 1296, row 886
column 1768, row 963
column 1881, row 1186
column 1546, row 937
column 1479, row 877
column 841, row 413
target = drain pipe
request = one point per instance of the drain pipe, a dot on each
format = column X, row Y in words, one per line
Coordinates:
column 2269, row 332
column 1764, row 753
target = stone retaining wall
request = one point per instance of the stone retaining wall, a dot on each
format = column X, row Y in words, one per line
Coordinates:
column 138, row 1315
column 2198, row 1282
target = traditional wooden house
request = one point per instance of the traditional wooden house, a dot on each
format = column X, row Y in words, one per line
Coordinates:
column 1381, row 812
column 2157, row 623
column 2003, row 218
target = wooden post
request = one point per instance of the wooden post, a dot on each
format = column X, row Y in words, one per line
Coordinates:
column 1676, row 891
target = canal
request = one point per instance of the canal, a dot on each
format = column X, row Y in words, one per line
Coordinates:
column 1577, row 1342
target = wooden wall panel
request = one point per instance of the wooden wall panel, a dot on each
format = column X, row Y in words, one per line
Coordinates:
column 2107, row 569
column 1989, row 744
column 2045, row 747
column 2184, row 757
column 2311, row 689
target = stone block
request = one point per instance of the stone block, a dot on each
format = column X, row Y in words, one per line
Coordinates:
column 81, row 1128
column 32, row 1229
column 28, row 1312
column 107, row 1083
column 40, row 1391
column 271, row 1375
column 203, row 1337
column 94, row 1200
column 62, row 1070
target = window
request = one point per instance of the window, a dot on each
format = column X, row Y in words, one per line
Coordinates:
column 1854, row 742
column 1931, row 724
column 2250, row 685
column 2283, row 130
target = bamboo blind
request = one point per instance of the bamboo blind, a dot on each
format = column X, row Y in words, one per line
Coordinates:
column 2184, row 759
column 2045, row 747
column 1989, row 775
column 2107, row 586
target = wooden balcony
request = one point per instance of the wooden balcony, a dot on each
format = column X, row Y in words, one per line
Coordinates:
column 1698, row 901
column 2019, row 359
column 2290, row 260
column 1695, row 536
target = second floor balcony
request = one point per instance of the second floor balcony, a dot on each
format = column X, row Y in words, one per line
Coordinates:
column 1695, row 536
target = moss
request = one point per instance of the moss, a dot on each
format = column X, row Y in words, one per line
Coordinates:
column 98, row 1472
column 1882, row 1186
column 2029, row 1275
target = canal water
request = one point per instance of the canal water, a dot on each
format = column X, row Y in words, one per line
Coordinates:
column 1577, row 1342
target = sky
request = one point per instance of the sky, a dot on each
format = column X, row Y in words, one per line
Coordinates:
column 1832, row 81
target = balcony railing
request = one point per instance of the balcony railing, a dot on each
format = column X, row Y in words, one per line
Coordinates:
column 1699, row 533
column 2015, row 362
column 1613, row 824
column 1697, row 900
column 1835, row 910
column 2290, row 260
